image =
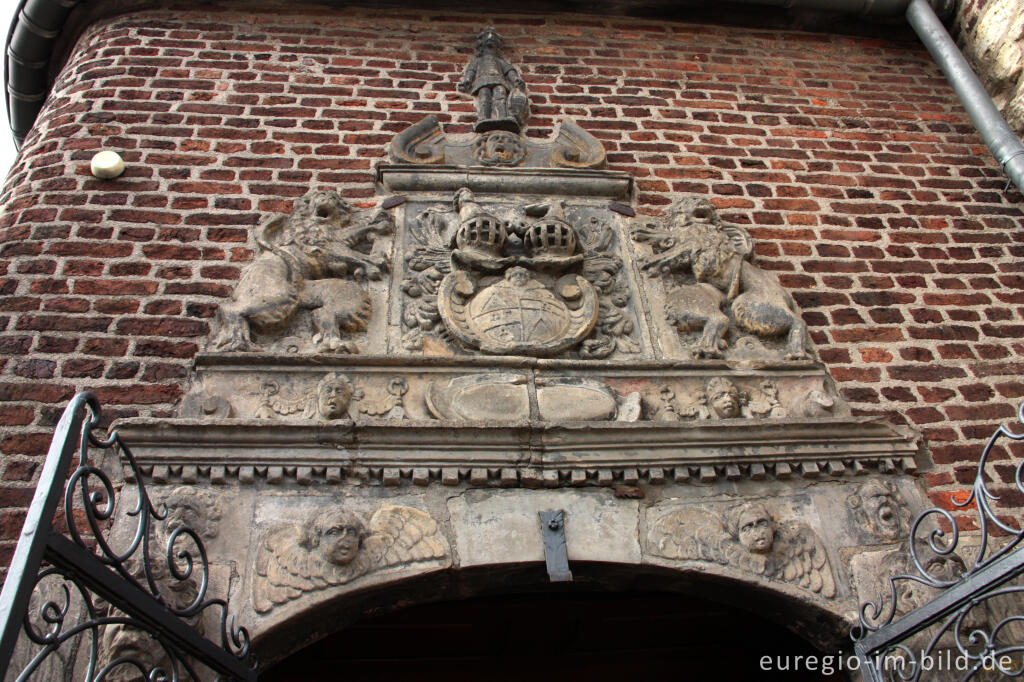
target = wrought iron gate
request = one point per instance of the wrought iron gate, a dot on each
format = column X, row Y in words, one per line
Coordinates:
column 971, row 625
column 84, row 609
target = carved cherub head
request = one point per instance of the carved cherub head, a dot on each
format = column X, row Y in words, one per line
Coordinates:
column 754, row 528
column 877, row 506
column 724, row 398
column 333, row 395
column 488, row 40
column 337, row 533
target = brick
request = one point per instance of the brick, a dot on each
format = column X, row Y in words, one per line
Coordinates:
column 16, row 415
column 45, row 393
column 122, row 370
column 82, row 368
column 924, row 374
column 876, row 335
column 22, row 444
column 35, row 368
column 167, row 326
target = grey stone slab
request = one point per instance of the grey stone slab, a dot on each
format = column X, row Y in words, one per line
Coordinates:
column 496, row 527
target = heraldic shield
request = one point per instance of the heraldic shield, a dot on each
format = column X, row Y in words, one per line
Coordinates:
column 510, row 278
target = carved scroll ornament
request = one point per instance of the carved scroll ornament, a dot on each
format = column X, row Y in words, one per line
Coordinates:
column 335, row 546
column 425, row 143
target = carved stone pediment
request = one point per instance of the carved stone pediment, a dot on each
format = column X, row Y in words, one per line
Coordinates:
column 505, row 318
column 425, row 143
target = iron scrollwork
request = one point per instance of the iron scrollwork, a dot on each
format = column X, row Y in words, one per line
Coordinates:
column 135, row 613
column 943, row 609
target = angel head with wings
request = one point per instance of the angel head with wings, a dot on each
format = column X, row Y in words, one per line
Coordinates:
column 337, row 533
column 753, row 526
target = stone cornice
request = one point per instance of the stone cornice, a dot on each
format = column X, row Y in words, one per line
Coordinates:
column 528, row 454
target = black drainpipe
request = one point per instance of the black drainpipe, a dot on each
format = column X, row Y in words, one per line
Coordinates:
column 34, row 32
column 30, row 43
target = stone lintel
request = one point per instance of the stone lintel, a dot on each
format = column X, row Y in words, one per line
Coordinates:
column 398, row 178
column 327, row 362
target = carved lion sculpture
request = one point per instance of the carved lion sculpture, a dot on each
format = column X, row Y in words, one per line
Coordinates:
column 307, row 260
column 695, row 240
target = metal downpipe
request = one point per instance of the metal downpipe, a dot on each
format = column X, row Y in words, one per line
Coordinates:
column 1002, row 142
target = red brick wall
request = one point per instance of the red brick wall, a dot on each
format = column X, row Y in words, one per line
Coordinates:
column 848, row 159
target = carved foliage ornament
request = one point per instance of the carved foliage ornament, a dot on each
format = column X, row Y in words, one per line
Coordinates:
column 711, row 286
column 336, row 546
column 749, row 539
column 529, row 281
column 313, row 259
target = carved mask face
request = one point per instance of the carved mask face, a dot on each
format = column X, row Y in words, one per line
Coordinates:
column 183, row 513
column 756, row 531
column 518, row 277
column 703, row 213
column 726, row 403
column 333, row 397
column 882, row 509
column 340, row 543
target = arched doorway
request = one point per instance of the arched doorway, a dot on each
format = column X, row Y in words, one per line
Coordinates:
column 559, row 633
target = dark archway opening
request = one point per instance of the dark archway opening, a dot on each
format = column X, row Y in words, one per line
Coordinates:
column 593, row 636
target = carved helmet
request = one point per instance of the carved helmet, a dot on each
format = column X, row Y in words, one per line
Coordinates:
column 479, row 231
column 552, row 235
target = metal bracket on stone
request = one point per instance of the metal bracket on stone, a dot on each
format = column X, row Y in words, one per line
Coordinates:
column 552, row 526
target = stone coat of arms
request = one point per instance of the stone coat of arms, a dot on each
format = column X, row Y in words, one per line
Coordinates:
column 518, row 283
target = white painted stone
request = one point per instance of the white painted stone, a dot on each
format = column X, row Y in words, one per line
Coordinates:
column 497, row 526
column 107, row 165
